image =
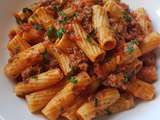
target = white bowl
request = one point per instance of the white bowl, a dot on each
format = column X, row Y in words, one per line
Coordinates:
column 14, row 108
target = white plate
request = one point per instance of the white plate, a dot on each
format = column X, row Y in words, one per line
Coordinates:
column 14, row 108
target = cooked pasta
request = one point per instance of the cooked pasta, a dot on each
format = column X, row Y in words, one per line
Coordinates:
column 114, row 9
column 17, row 44
column 66, row 96
column 62, row 58
column 100, row 101
column 87, row 44
column 141, row 89
column 82, row 59
column 125, row 102
column 24, row 59
column 39, row 82
column 102, row 27
column 38, row 100
column 151, row 42
column 40, row 16
column 143, row 20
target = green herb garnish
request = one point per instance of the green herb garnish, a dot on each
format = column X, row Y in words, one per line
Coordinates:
column 73, row 80
column 27, row 11
column 73, row 70
column 60, row 32
column 45, row 56
column 38, row 27
column 56, row 8
column 75, row 14
column 95, row 102
column 50, row 32
column 108, row 111
column 19, row 21
column 35, row 77
column 126, row 78
column 131, row 44
column 127, row 17
column 65, row 18
column 88, row 39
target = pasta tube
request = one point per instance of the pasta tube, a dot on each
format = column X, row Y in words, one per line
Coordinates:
column 143, row 20
column 24, row 59
column 66, row 96
column 69, row 11
column 39, row 82
column 101, row 101
column 70, row 113
column 32, row 36
column 101, row 25
column 131, row 52
column 62, row 59
column 114, row 9
column 64, row 44
column 125, row 102
column 40, row 16
column 141, row 89
column 151, row 42
column 87, row 44
column 37, row 100
column 17, row 44
column 148, row 74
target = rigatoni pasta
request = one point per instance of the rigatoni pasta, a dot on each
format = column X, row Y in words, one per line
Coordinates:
column 66, row 96
column 143, row 20
column 17, row 44
column 141, row 89
column 39, row 82
column 81, row 59
column 37, row 100
column 151, row 41
column 62, row 58
column 24, row 59
column 101, row 25
column 87, row 44
column 40, row 16
column 101, row 101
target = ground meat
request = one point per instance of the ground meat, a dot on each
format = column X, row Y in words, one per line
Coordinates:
column 31, row 71
column 85, row 17
column 127, row 30
column 83, row 66
column 148, row 74
column 77, row 56
column 116, row 80
column 149, row 58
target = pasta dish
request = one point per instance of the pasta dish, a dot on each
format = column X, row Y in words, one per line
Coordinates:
column 82, row 59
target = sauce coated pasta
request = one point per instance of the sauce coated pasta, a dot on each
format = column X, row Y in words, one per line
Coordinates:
column 81, row 59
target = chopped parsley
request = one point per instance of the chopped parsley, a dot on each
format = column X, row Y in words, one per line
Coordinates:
column 38, row 27
column 35, row 77
column 19, row 21
column 73, row 80
column 60, row 32
column 62, row 109
column 56, row 8
column 131, row 44
column 27, row 11
column 65, row 18
column 45, row 56
column 108, row 111
column 88, row 39
column 75, row 14
column 126, row 78
column 50, row 32
column 127, row 17
column 73, row 70
column 95, row 102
